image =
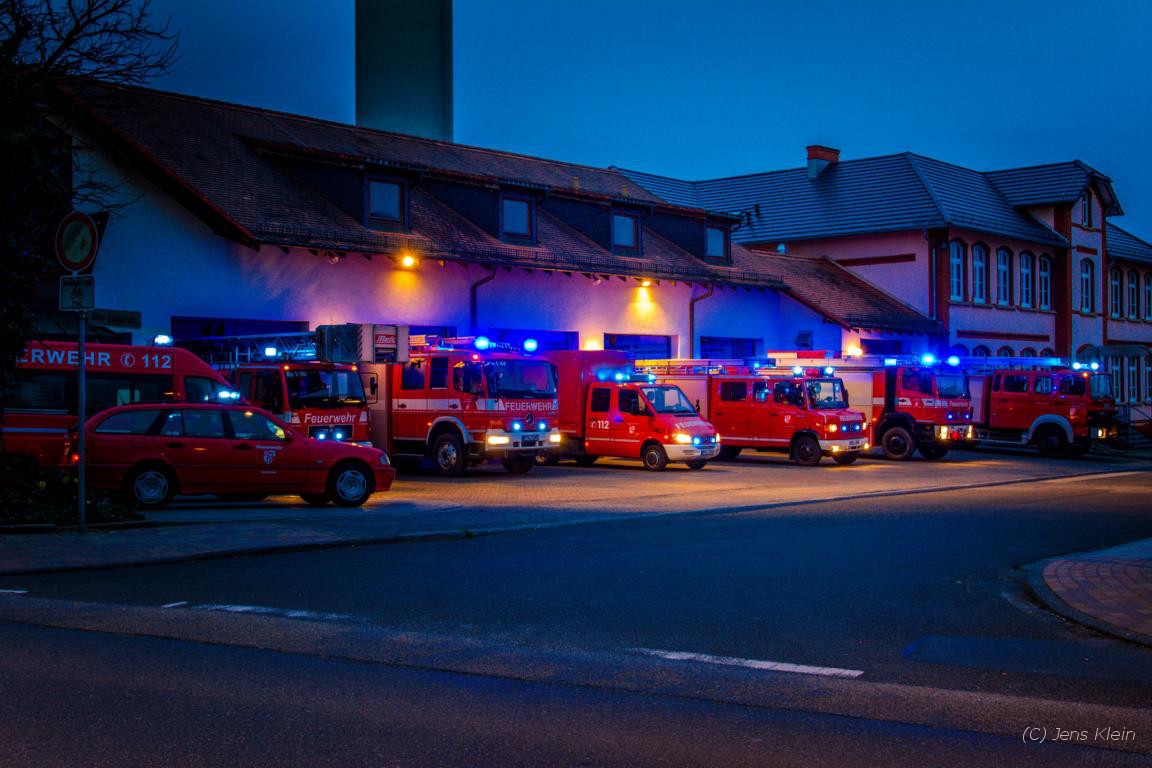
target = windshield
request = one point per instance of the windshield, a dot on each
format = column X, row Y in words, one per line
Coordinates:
column 667, row 399
column 318, row 388
column 1101, row 385
column 951, row 385
column 826, row 394
column 530, row 379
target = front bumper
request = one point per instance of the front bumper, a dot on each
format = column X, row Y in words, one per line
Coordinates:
column 498, row 442
column 682, row 452
column 845, row 445
column 384, row 477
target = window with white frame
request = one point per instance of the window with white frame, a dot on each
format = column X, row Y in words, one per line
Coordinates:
column 1044, row 282
column 1148, row 378
column 1134, row 379
column 1086, row 210
column 979, row 273
column 1116, row 371
column 956, row 270
column 1087, row 286
column 1004, row 277
column 1027, row 272
column 1115, row 293
column 1148, row 296
column 1133, row 294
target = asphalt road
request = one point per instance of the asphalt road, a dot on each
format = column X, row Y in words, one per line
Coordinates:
column 919, row 591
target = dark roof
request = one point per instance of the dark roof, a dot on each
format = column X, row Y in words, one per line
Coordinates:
column 841, row 295
column 1122, row 244
column 884, row 194
column 223, row 161
column 1053, row 183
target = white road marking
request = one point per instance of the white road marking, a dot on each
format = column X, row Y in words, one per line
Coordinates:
column 175, row 605
column 264, row 610
column 774, row 666
column 13, row 591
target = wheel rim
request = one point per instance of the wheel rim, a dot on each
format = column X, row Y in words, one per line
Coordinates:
column 150, row 486
column 351, row 484
column 652, row 458
column 897, row 444
column 804, row 451
column 447, row 455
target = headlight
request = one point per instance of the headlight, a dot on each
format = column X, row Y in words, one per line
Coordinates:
column 682, row 437
column 833, row 427
column 942, row 433
column 497, row 440
column 717, row 438
column 554, row 437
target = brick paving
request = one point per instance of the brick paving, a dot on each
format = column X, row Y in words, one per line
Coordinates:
column 1112, row 589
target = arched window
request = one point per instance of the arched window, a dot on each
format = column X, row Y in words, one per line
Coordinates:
column 1133, row 294
column 1027, row 273
column 956, row 270
column 1004, row 352
column 979, row 273
column 1028, row 352
column 1004, row 277
column 1047, row 352
column 1148, row 296
column 1044, row 282
column 1087, row 286
column 981, row 351
column 1115, row 293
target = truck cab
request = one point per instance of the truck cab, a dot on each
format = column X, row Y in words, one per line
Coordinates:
column 324, row 400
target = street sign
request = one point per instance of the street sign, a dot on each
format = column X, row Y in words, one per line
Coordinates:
column 77, row 240
column 77, row 293
column 117, row 318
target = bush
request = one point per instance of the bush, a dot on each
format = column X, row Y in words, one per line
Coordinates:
column 31, row 494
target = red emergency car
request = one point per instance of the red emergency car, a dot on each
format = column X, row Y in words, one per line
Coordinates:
column 152, row 452
column 605, row 410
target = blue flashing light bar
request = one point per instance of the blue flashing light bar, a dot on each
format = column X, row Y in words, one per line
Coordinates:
column 953, row 360
column 542, row 426
column 928, row 359
column 891, row 361
column 162, row 340
column 829, row 370
column 482, row 342
column 517, row 426
column 270, row 351
column 798, row 369
column 1094, row 366
column 531, row 345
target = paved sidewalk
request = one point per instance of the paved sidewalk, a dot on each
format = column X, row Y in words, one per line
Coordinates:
column 1109, row 590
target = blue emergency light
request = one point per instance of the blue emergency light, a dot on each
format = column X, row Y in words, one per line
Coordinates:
column 482, row 342
column 953, row 360
column 530, row 345
column 928, row 359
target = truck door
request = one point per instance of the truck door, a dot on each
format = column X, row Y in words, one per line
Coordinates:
column 787, row 411
column 760, row 408
column 598, row 421
column 1043, row 398
column 731, row 413
column 1011, row 402
column 410, row 403
column 634, row 423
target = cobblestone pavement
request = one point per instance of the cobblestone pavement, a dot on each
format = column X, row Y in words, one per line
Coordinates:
column 490, row 500
column 1110, row 589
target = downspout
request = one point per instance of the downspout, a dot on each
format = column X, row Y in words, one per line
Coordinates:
column 692, row 319
column 472, row 312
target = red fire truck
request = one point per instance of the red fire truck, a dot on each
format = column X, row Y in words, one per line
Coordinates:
column 608, row 410
column 1060, row 411
column 464, row 401
column 802, row 412
column 913, row 405
column 40, row 407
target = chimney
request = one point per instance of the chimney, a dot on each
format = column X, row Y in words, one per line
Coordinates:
column 820, row 158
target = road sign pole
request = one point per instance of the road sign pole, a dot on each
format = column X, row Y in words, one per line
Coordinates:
column 81, row 406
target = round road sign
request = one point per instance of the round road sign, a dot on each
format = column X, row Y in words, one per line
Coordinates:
column 77, row 240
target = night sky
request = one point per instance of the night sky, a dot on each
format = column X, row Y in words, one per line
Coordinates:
column 706, row 89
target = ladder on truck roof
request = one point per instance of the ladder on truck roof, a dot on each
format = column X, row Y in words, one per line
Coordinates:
column 256, row 348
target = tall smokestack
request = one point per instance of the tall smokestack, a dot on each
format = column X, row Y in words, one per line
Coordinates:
column 404, row 66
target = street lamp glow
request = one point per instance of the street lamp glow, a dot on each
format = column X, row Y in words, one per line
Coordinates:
column 408, row 261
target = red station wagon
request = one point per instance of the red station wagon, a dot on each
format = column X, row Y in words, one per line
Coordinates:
column 152, row 452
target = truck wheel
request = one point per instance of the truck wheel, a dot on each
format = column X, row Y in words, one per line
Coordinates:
column 806, row 451
column 315, row 499
column 898, row 444
column 728, row 453
column 932, row 451
column 350, row 485
column 845, row 459
column 655, row 458
column 150, row 487
column 550, row 459
column 1050, row 441
column 449, row 455
column 585, row 460
column 518, row 465
column 698, row 464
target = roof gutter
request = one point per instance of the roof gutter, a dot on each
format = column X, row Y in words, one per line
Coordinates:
column 692, row 302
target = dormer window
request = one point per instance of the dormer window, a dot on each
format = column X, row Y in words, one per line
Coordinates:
column 387, row 202
column 626, row 234
column 517, row 219
column 718, row 245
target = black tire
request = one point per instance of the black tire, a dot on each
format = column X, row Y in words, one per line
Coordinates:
column 150, row 487
column 1051, row 442
column 897, row 444
column 350, row 484
column 655, row 457
column 449, row 455
column 315, row 499
column 241, row 496
column 585, row 460
column 550, row 459
column 697, row 464
column 728, row 453
column 844, row 459
column 933, row 451
column 518, row 465
column 806, row 451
